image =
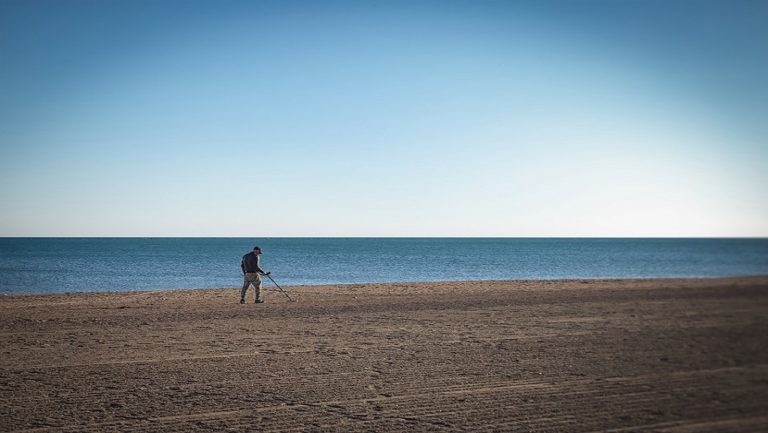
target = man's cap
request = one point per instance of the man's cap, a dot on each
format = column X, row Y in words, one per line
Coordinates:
column 256, row 248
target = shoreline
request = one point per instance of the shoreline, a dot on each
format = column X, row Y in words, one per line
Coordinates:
column 270, row 286
column 673, row 355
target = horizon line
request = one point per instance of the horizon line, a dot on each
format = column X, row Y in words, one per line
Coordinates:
column 383, row 237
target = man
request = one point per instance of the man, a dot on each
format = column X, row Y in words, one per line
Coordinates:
column 251, row 274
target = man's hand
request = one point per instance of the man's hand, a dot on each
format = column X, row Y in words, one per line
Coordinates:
column 267, row 273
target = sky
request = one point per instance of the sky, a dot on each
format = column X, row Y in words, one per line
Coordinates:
column 384, row 118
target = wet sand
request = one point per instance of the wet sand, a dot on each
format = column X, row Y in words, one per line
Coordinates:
column 560, row 356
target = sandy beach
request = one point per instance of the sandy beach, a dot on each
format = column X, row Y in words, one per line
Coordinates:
column 557, row 356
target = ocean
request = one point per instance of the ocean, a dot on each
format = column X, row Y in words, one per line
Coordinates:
column 55, row 265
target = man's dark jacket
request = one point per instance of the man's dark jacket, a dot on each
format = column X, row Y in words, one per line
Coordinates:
column 250, row 264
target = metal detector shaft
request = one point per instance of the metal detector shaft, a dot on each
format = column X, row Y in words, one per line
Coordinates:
column 280, row 288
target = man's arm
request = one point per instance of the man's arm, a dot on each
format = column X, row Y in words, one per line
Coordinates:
column 258, row 267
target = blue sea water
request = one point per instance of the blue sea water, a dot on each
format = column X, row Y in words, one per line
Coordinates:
column 47, row 265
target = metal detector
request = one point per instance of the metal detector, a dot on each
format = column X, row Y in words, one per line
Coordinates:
column 279, row 288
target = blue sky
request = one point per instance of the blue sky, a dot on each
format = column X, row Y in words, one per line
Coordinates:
column 445, row 118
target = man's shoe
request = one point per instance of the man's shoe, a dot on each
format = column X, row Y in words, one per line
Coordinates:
column 259, row 301
column 242, row 301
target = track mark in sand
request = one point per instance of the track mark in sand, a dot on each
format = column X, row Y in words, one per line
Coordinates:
column 757, row 424
column 204, row 415
column 415, row 420
column 373, row 416
column 151, row 423
column 688, row 373
column 170, row 359
column 753, row 424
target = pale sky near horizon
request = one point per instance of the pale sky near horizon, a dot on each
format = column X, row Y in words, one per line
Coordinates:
column 383, row 118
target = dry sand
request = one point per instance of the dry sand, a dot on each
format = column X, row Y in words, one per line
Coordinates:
column 566, row 356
